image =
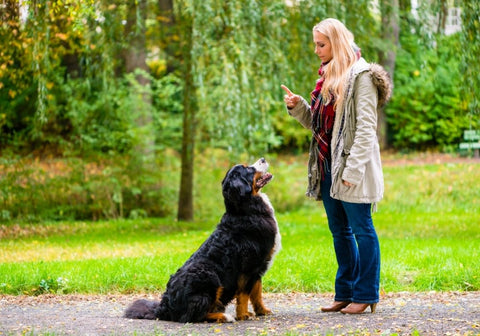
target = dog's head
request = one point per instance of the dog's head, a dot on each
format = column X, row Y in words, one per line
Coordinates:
column 244, row 182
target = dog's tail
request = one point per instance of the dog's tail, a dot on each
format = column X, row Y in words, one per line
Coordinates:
column 146, row 309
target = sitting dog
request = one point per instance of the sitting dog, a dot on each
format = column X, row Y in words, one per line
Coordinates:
column 230, row 263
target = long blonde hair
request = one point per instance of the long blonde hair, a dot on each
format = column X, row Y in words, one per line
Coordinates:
column 343, row 57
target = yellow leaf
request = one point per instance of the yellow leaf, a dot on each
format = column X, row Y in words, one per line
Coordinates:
column 61, row 36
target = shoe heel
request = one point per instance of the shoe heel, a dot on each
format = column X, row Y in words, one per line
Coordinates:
column 373, row 307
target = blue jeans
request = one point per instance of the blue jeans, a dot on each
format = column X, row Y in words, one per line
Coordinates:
column 356, row 248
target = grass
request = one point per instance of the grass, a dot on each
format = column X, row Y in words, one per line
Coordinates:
column 427, row 225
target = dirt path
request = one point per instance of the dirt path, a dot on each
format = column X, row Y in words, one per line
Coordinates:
column 449, row 313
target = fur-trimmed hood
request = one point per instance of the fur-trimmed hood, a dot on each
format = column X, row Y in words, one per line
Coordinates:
column 381, row 79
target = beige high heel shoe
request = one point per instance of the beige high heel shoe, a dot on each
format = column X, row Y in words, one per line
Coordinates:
column 359, row 308
column 336, row 306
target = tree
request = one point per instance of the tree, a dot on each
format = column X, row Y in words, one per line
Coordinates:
column 169, row 41
column 442, row 16
column 390, row 31
column 185, row 201
column 470, row 39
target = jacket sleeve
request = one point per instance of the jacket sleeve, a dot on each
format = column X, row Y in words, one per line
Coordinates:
column 301, row 112
column 365, row 130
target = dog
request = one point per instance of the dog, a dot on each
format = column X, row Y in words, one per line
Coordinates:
column 230, row 264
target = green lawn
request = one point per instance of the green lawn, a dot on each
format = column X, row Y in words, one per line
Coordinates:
column 428, row 227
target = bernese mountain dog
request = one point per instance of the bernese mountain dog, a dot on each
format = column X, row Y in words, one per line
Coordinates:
column 230, row 263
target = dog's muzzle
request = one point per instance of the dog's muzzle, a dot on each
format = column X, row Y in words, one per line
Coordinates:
column 262, row 166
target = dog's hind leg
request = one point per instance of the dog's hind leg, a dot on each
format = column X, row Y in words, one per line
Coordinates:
column 257, row 301
column 219, row 317
column 217, row 311
column 218, row 306
column 202, row 308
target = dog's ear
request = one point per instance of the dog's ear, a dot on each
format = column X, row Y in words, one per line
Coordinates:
column 238, row 186
column 235, row 185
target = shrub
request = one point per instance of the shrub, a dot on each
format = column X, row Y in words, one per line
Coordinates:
column 427, row 109
column 84, row 189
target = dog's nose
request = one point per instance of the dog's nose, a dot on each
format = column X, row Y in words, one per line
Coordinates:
column 262, row 160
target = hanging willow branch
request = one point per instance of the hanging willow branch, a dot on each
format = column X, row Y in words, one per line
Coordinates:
column 38, row 14
column 236, row 57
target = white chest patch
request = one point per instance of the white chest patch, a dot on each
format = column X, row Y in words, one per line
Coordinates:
column 278, row 238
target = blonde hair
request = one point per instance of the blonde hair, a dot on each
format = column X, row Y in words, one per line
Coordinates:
column 343, row 57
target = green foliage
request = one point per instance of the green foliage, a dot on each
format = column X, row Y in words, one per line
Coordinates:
column 85, row 189
column 68, row 91
column 106, row 122
column 96, row 188
column 470, row 67
column 238, row 62
column 17, row 90
column 427, row 109
column 49, row 285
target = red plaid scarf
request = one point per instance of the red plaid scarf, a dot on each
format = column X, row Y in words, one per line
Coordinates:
column 323, row 117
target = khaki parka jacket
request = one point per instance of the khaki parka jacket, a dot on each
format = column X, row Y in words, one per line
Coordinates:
column 355, row 149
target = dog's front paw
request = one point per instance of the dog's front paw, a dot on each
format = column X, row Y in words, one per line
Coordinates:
column 229, row 318
column 263, row 311
column 244, row 317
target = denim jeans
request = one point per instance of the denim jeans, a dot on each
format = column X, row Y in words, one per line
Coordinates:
column 356, row 248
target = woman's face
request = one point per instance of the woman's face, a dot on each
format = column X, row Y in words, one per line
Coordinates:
column 323, row 48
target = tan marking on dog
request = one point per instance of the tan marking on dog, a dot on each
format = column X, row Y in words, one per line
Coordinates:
column 219, row 317
column 217, row 305
column 257, row 300
column 255, row 189
column 242, row 300
column 242, row 307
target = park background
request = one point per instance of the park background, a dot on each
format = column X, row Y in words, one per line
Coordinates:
column 119, row 120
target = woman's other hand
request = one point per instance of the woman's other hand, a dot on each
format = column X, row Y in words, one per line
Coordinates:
column 348, row 184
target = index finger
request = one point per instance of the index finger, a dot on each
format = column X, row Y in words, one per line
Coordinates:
column 287, row 90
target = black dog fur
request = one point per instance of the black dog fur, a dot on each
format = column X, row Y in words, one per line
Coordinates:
column 230, row 263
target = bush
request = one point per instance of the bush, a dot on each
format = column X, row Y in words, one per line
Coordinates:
column 84, row 189
column 427, row 109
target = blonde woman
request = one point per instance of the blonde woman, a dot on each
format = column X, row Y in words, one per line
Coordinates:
column 345, row 169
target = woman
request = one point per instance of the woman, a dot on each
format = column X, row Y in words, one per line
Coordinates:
column 344, row 168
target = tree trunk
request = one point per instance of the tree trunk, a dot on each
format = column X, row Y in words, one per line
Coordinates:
column 442, row 17
column 168, row 35
column 135, row 53
column 185, row 201
column 390, row 32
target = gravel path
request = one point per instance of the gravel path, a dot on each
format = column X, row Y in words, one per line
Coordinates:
column 435, row 313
